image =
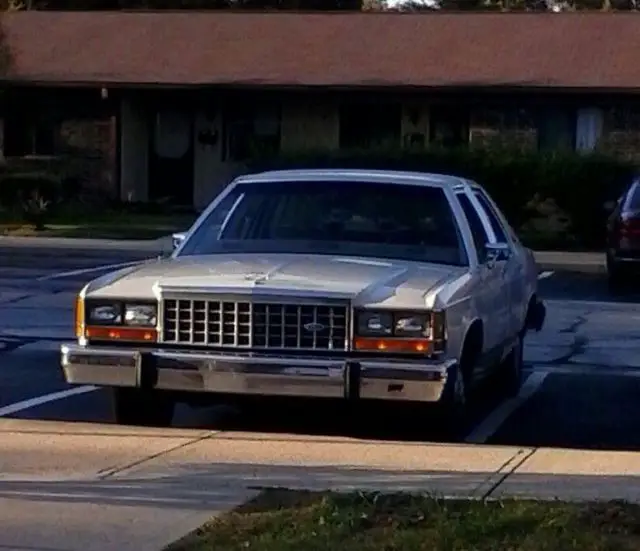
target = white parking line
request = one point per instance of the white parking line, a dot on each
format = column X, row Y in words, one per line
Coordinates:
column 81, row 271
column 545, row 275
column 41, row 400
column 498, row 416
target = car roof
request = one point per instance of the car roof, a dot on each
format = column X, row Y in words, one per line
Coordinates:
column 355, row 175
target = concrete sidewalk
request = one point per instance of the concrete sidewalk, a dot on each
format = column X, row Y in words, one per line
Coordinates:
column 68, row 486
column 585, row 262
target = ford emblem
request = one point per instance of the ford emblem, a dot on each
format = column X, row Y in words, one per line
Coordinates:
column 313, row 327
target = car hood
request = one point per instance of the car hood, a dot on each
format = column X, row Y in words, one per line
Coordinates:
column 364, row 281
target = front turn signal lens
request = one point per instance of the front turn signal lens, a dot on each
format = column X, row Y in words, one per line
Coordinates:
column 416, row 346
column 121, row 334
column 79, row 317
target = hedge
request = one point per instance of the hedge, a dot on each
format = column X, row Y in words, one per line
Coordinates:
column 554, row 200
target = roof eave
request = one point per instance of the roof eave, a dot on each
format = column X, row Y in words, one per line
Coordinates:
column 344, row 87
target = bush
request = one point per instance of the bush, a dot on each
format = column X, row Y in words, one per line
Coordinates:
column 554, row 200
column 35, row 195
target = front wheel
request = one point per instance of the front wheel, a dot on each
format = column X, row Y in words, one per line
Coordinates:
column 617, row 279
column 147, row 408
column 453, row 410
column 510, row 370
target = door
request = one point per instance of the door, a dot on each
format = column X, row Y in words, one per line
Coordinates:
column 513, row 269
column 171, row 158
column 449, row 126
column 491, row 295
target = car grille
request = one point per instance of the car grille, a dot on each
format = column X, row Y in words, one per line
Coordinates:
column 260, row 325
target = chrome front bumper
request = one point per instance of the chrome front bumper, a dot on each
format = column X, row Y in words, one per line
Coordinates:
column 256, row 374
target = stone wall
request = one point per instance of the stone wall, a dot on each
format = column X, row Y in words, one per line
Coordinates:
column 90, row 147
column 84, row 150
column 525, row 139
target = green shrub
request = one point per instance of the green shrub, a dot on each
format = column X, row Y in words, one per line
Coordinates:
column 565, row 191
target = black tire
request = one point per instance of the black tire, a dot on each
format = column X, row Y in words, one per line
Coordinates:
column 147, row 408
column 510, row 370
column 617, row 279
column 453, row 409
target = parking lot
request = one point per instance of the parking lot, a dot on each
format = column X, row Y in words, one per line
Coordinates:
column 582, row 387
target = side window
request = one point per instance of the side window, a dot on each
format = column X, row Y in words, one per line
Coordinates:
column 493, row 217
column 633, row 203
column 477, row 229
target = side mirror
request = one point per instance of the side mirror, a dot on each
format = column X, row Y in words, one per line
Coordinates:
column 496, row 252
column 608, row 206
column 177, row 239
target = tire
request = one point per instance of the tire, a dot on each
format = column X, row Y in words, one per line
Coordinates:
column 453, row 410
column 510, row 370
column 147, row 408
column 617, row 279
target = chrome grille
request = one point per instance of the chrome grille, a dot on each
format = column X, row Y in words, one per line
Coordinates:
column 261, row 325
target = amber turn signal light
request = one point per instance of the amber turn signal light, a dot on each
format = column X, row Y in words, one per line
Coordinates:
column 420, row 346
column 121, row 334
column 79, row 317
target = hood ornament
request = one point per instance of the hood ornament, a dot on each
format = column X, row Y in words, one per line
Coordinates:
column 256, row 278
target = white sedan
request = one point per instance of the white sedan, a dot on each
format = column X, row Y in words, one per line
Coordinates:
column 370, row 286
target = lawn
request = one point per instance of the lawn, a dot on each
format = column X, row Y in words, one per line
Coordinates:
column 284, row 520
column 108, row 225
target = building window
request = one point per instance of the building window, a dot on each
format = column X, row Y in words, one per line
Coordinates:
column 252, row 131
column 25, row 135
column 370, row 125
column 557, row 129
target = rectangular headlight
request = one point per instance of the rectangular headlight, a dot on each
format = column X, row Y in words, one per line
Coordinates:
column 103, row 313
column 121, row 313
column 374, row 324
column 392, row 324
column 141, row 315
column 411, row 325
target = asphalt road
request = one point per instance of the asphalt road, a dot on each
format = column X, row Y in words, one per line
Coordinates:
column 583, row 388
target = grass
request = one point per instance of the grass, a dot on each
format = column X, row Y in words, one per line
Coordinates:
column 285, row 520
column 108, row 225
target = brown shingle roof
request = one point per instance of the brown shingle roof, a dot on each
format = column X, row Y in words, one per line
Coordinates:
column 575, row 50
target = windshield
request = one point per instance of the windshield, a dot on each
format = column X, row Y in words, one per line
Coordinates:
column 368, row 219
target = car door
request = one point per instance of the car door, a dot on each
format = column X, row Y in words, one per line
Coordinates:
column 491, row 301
column 513, row 270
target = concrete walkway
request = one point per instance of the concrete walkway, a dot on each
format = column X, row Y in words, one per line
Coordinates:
column 72, row 486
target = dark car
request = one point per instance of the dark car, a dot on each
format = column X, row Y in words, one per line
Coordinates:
column 623, row 238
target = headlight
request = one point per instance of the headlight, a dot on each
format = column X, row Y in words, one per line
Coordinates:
column 140, row 315
column 392, row 324
column 120, row 313
column 104, row 314
column 414, row 325
column 374, row 323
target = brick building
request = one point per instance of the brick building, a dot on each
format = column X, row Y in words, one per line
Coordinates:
column 171, row 105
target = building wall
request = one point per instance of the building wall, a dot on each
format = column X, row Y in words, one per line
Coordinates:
column 70, row 136
column 414, row 126
column 134, row 151
column 309, row 124
column 88, row 145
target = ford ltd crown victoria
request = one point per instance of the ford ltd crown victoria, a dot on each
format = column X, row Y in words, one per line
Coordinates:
column 366, row 286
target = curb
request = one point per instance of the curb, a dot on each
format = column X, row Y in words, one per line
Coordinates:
column 564, row 261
